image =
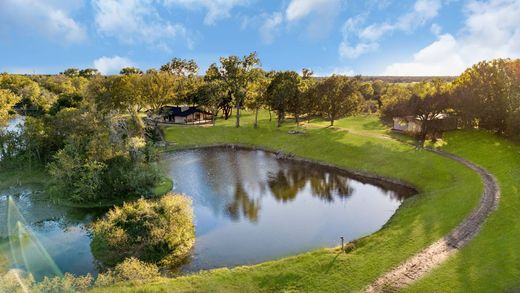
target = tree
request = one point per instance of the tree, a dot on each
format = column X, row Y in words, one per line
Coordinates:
column 307, row 73
column 338, row 96
column 486, row 94
column 115, row 93
column 71, row 72
column 226, row 104
column 211, row 95
column 257, row 90
column 130, row 70
column 34, row 100
column 309, row 93
column 236, row 73
column 88, row 72
column 391, row 98
column 7, row 101
column 157, row 89
column 181, row 67
column 282, row 91
column 428, row 110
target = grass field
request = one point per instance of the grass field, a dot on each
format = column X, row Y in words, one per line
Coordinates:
column 491, row 262
column 448, row 192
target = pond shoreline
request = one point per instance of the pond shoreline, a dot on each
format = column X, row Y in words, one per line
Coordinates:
column 364, row 177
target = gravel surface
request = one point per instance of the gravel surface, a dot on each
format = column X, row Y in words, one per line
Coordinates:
column 432, row 256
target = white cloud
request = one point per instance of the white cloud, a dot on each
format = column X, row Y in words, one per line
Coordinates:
column 216, row 9
column 51, row 18
column 368, row 37
column 112, row 65
column 321, row 13
column 133, row 21
column 351, row 52
column 299, row 9
column 436, row 29
column 491, row 30
column 270, row 27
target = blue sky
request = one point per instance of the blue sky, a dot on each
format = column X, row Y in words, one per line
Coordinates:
column 368, row 37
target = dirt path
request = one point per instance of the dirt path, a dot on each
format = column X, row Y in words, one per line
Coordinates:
column 432, row 256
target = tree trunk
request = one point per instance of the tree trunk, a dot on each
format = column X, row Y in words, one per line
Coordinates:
column 297, row 117
column 256, row 117
column 237, row 124
column 270, row 116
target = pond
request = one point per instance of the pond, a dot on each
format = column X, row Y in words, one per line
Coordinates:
column 249, row 207
column 59, row 239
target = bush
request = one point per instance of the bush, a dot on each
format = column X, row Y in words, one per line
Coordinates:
column 65, row 284
column 155, row 231
column 15, row 281
column 349, row 247
column 130, row 270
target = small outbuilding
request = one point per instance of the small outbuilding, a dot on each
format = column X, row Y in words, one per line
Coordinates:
column 413, row 125
column 185, row 115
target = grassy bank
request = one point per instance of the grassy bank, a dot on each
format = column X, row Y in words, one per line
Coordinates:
column 491, row 262
column 447, row 193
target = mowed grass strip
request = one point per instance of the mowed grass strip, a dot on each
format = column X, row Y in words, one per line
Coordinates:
column 448, row 192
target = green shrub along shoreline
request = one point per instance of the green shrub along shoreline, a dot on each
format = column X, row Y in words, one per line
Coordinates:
column 154, row 231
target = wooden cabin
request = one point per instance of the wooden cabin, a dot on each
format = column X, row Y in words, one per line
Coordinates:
column 185, row 115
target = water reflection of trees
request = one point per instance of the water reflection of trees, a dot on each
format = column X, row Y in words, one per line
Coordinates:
column 287, row 183
column 238, row 180
column 242, row 204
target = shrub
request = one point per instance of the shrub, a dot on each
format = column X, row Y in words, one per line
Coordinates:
column 131, row 269
column 67, row 283
column 15, row 281
column 349, row 247
column 155, row 231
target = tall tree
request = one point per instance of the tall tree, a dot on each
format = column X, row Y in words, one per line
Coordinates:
column 130, row 70
column 181, row 67
column 157, row 89
column 211, row 94
column 485, row 94
column 339, row 96
column 236, row 73
column 429, row 110
column 257, row 93
column 71, row 72
column 89, row 72
column 282, row 91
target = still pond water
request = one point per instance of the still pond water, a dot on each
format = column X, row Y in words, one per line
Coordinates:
column 249, row 207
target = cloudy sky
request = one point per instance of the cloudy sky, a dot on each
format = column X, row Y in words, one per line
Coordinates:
column 368, row 37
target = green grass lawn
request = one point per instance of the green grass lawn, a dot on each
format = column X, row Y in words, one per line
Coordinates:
column 491, row 262
column 448, row 192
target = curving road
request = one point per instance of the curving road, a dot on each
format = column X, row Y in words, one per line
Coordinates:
column 432, row 256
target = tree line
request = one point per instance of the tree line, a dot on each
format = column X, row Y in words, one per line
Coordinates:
column 485, row 96
column 85, row 104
